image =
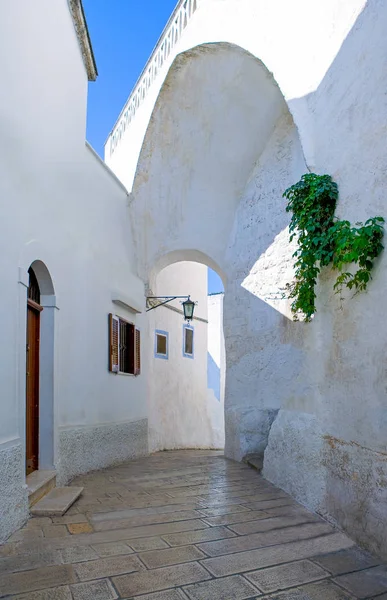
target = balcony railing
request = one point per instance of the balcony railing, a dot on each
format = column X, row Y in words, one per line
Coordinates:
column 168, row 39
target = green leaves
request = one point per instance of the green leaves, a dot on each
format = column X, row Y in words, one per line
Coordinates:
column 323, row 240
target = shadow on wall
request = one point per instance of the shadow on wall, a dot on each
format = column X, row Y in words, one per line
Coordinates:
column 213, row 376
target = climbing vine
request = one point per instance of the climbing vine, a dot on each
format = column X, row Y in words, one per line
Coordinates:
column 323, row 240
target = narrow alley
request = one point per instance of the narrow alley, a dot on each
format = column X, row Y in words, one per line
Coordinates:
column 185, row 525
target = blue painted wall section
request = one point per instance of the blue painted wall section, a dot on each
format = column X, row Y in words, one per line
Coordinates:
column 213, row 376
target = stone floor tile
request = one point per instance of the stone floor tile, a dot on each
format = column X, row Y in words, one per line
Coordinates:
column 268, row 538
column 316, row 591
column 266, row 557
column 230, row 519
column 166, row 595
column 112, row 549
column 66, row 519
column 38, row 579
column 156, row 580
column 106, row 567
column 286, row 576
column 78, row 554
column 267, row 524
column 263, row 504
column 26, row 534
column 79, row 528
column 94, row 590
column 346, row 561
column 364, row 584
column 223, row 510
column 195, row 537
column 54, row 531
column 146, row 520
column 138, row 512
column 57, row 593
column 27, row 562
column 171, row 556
column 150, row 543
column 233, row 588
column 38, row 522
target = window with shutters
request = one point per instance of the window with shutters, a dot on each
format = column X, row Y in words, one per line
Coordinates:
column 161, row 344
column 124, row 347
column 188, row 341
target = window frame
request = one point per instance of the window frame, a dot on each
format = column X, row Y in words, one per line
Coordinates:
column 166, row 335
column 131, row 360
column 191, row 328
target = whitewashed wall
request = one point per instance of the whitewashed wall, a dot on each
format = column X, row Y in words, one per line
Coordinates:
column 61, row 206
column 222, row 145
column 180, row 414
column 216, row 365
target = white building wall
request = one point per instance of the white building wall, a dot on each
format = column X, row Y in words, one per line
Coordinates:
column 180, row 414
column 223, row 143
column 216, row 365
column 60, row 205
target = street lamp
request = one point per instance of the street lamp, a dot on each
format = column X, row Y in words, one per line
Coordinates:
column 188, row 309
column 188, row 304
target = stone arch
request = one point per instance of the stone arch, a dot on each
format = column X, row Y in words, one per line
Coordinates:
column 44, row 278
column 220, row 149
column 186, row 255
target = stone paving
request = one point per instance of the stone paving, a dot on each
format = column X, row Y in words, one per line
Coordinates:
column 187, row 525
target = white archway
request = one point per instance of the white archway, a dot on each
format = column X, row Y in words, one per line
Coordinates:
column 220, row 149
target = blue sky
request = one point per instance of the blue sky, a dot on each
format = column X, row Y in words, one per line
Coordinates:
column 123, row 34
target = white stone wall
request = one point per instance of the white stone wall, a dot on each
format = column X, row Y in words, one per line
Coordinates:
column 216, row 365
column 180, row 414
column 219, row 151
column 60, row 205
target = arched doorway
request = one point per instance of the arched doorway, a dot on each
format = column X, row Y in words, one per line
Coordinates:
column 34, row 309
column 39, row 432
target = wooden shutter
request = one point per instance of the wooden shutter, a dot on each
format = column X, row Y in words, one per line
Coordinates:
column 138, row 353
column 114, row 342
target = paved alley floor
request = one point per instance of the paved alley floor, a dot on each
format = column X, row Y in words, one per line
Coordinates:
column 186, row 525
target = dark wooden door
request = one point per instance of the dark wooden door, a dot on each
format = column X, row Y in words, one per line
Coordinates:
column 32, row 386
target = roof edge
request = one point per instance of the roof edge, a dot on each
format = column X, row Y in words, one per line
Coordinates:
column 80, row 25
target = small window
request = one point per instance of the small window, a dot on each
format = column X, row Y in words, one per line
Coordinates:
column 188, row 341
column 124, row 346
column 161, row 344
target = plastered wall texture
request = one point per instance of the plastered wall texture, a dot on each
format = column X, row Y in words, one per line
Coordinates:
column 86, row 449
column 215, row 178
column 13, row 493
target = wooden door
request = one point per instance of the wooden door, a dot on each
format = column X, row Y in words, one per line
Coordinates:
column 32, row 386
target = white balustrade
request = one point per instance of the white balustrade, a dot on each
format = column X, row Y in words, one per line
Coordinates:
column 169, row 38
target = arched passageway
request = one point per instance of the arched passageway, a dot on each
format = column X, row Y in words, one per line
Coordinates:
column 220, row 149
column 186, row 359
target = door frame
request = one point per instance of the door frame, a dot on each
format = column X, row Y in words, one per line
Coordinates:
column 48, row 361
column 35, row 309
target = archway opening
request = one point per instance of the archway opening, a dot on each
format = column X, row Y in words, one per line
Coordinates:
column 41, row 307
column 187, row 359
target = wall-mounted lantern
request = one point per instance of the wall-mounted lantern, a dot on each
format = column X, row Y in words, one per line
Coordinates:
column 188, row 304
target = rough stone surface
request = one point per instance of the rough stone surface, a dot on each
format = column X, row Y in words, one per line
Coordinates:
column 235, row 587
column 87, row 449
column 285, row 558
column 57, row 502
column 286, row 576
column 13, row 497
column 94, row 590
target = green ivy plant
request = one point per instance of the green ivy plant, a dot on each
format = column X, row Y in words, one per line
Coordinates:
column 324, row 240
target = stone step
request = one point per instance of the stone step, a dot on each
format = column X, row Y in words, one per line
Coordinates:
column 254, row 460
column 56, row 502
column 39, row 483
